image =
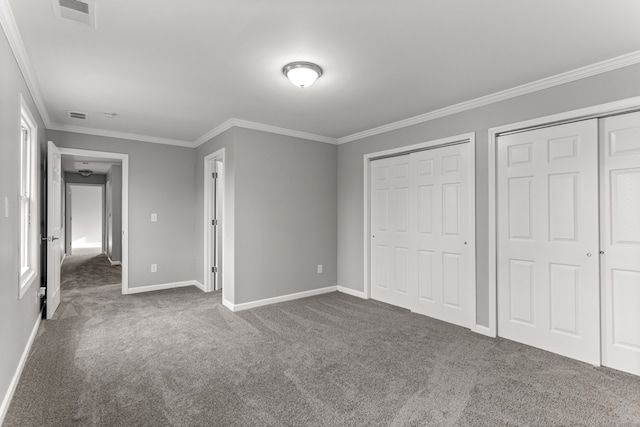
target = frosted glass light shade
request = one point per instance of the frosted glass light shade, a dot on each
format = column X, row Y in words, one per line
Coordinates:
column 302, row 74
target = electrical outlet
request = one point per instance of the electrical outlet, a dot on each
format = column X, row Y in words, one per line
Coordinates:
column 319, row 268
column 154, row 268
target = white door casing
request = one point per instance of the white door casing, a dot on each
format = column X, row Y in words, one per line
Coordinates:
column 390, row 236
column 620, row 242
column 547, row 254
column 54, row 227
column 440, row 251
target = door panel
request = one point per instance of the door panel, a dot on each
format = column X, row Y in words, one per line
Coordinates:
column 548, row 289
column 440, row 215
column 54, row 227
column 390, row 231
column 620, row 189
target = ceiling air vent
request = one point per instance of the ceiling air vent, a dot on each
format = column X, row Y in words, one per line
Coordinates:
column 76, row 10
column 77, row 115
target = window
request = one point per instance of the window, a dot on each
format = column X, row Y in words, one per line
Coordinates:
column 28, row 207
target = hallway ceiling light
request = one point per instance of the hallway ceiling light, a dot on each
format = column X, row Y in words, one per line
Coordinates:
column 302, row 74
column 85, row 172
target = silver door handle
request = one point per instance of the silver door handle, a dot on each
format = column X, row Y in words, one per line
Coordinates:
column 589, row 254
column 56, row 238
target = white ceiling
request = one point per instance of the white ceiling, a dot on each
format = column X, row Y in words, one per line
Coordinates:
column 178, row 69
column 98, row 166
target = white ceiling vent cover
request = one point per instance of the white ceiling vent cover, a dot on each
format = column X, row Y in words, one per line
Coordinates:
column 77, row 115
column 76, row 10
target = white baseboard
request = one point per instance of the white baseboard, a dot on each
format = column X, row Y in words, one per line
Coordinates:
column 198, row 285
column 274, row 300
column 228, row 304
column 482, row 330
column 16, row 377
column 163, row 286
column 352, row 292
column 114, row 262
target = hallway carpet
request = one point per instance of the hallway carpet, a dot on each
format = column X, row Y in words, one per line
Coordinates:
column 81, row 271
column 179, row 358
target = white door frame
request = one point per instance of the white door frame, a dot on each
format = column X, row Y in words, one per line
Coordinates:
column 125, row 202
column 471, row 137
column 226, row 229
column 583, row 113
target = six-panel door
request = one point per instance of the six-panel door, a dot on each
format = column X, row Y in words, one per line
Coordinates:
column 548, row 287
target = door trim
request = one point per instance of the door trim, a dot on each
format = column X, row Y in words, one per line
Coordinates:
column 367, row 158
column 125, row 202
column 591, row 112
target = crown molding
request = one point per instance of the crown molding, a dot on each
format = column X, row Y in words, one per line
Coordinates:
column 121, row 135
column 246, row 124
column 10, row 27
column 17, row 46
column 222, row 127
column 538, row 85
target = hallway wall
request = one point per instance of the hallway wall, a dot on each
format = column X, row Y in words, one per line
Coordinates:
column 162, row 181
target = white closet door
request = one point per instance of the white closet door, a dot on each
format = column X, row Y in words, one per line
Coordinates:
column 390, row 231
column 440, row 212
column 620, row 189
column 548, row 266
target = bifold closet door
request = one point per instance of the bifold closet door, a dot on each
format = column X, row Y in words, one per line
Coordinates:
column 548, row 250
column 420, row 216
column 390, row 231
column 440, row 212
column 620, row 190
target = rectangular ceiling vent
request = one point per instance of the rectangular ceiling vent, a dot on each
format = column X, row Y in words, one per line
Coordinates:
column 76, row 10
column 77, row 115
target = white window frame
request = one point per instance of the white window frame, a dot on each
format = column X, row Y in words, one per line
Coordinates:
column 28, row 195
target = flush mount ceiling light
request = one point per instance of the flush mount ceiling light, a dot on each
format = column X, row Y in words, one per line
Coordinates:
column 85, row 172
column 302, row 74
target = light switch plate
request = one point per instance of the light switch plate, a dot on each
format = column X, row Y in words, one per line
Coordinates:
column 154, row 217
column 6, row 207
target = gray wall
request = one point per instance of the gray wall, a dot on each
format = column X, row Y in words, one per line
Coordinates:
column 76, row 178
column 114, row 213
column 161, row 180
column 285, row 212
column 603, row 88
column 17, row 316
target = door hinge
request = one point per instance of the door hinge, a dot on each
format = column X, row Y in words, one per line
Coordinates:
column 214, row 269
column 214, row 175
column 214, row 222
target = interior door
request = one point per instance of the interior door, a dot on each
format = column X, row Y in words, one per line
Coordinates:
column 390, row 236
column 548, row 267
column 620, row 189
column 54, row 227
column 440, row 209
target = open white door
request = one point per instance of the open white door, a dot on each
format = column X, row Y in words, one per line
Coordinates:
column 54, row 226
